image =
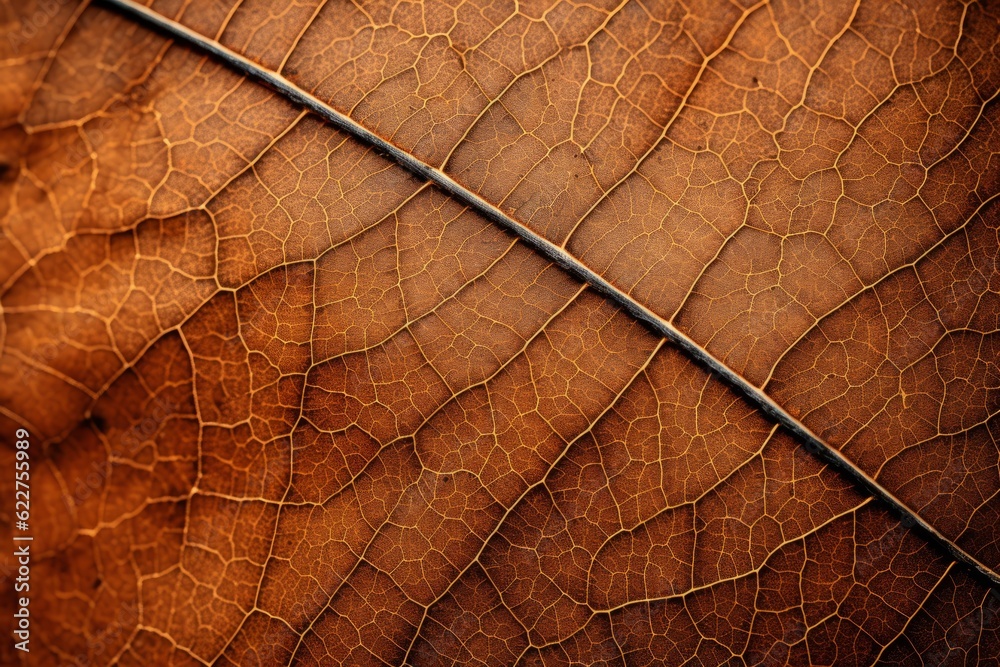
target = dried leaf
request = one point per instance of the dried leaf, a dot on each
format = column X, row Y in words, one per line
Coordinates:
column 548, row 369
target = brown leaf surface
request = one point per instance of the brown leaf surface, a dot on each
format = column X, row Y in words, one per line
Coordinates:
column 291, row 404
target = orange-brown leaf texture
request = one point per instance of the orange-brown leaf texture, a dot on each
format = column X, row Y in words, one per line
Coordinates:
column 290, row 403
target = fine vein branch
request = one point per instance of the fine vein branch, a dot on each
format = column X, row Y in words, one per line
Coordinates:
column 662, row 327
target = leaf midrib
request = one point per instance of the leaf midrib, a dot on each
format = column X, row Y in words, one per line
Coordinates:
column 813, row 443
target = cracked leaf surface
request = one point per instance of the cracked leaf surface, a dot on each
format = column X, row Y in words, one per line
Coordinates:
column 299, row 406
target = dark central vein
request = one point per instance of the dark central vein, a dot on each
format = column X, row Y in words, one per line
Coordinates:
column 662, row 327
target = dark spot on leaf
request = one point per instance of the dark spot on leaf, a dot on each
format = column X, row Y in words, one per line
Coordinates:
column 98, row 422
